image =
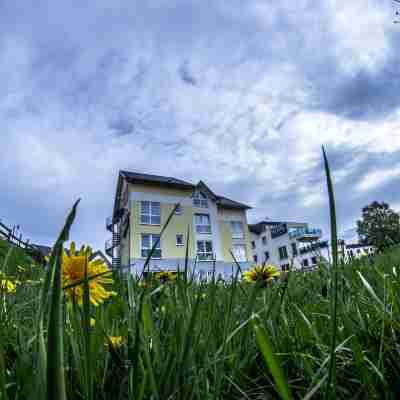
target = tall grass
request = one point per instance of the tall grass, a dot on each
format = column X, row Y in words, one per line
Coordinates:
column 196, row 340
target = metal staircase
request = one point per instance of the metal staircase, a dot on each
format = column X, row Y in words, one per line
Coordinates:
column 112, row 245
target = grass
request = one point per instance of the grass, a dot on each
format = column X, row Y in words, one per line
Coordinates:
column 333, row 333
column 188, row 340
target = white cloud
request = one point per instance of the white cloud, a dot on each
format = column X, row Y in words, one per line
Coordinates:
column 250, row 116
column 375, row 179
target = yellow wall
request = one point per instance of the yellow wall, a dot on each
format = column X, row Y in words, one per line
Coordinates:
column 226, row 240
column 178, row 225
column 224, row 216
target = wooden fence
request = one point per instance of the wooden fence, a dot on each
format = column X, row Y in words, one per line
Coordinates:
column 8, row 234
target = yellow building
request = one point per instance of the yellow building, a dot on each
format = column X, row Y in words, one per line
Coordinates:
column 216, row 226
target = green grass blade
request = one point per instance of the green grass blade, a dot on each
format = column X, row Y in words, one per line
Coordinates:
column 87, row 341
column 334, row 274
column 3, row 390
column 55, row 343
column 271, row 361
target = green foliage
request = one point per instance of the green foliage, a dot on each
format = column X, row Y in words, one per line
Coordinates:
column 17, row 257
column 185, row 340
column 379, row 225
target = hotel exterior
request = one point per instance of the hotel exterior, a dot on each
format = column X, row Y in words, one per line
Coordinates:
column 216, row 225
column 287, row 244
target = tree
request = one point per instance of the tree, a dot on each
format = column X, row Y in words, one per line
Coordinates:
column 379, row 226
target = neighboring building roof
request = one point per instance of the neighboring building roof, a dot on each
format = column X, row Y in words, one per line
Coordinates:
column 44, row 250
column 136, row 177
column 357, row 245
column 100, row 254
column 259, row 227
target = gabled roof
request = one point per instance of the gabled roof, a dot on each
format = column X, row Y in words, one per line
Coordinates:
column 136, row 177
column 150, row 179
column 228, row 203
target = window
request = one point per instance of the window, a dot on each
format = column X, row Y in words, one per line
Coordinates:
column 255, row 258
column 285, row 267
column 150, row 213
column 358, row 251
column 179, row 240
column 205, row 250
column 264, row 240
column 266, row 255
column 239, row 251
column 202, row 222
column 305, row 262
column 313, row 260
column 253, row 244
column 178, row 210
column 148, row 241
column 283, row 252
column 294, row 249
column 237, row 229
column 200, row 200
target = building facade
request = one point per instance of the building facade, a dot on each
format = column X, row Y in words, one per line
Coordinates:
column 286, row 244
column 215, row 225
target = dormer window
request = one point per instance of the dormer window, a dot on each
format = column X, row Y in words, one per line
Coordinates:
column 200, row 200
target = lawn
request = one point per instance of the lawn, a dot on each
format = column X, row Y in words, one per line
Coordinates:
column 187, row 340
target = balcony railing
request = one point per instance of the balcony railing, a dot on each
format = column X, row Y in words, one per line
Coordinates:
column 109, row 245
column 109, row 223
column 305, row 234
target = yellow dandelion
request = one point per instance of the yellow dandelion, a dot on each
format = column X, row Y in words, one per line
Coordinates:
column 115, row 341
column 20, row 268
column 7, row 286
column 261, row 273
column 166, row 276
column 73, row 265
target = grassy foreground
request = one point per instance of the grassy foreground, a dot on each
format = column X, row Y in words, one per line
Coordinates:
column 184, row 340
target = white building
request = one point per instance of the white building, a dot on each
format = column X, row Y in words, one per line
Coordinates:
column 358, row 250
column 284, row 243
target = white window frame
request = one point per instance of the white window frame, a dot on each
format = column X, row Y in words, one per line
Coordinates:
column 235, row 233
column 238, row 258
column 203, row 228
column 179, row 244
column 204, row 255
column 152, row 240
column 151, row 214
column 200, row 200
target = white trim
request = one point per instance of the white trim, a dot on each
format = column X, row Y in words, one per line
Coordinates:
column 162, row 198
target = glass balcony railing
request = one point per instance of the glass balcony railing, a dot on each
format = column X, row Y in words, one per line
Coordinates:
column 305, row 234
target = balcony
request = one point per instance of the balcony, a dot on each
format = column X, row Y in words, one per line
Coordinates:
column 109, row 224
column 305, row 234
column 109, row 246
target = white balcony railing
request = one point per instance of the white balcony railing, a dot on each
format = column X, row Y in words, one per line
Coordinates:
column 305, row 234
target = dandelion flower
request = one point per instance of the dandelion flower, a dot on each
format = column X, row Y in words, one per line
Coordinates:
column 73, row 265
column 260, row 273
column 115, row 341
column 166, row 276
column 7, row 286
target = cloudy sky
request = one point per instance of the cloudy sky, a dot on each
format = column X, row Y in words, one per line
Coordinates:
column 239, row 94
